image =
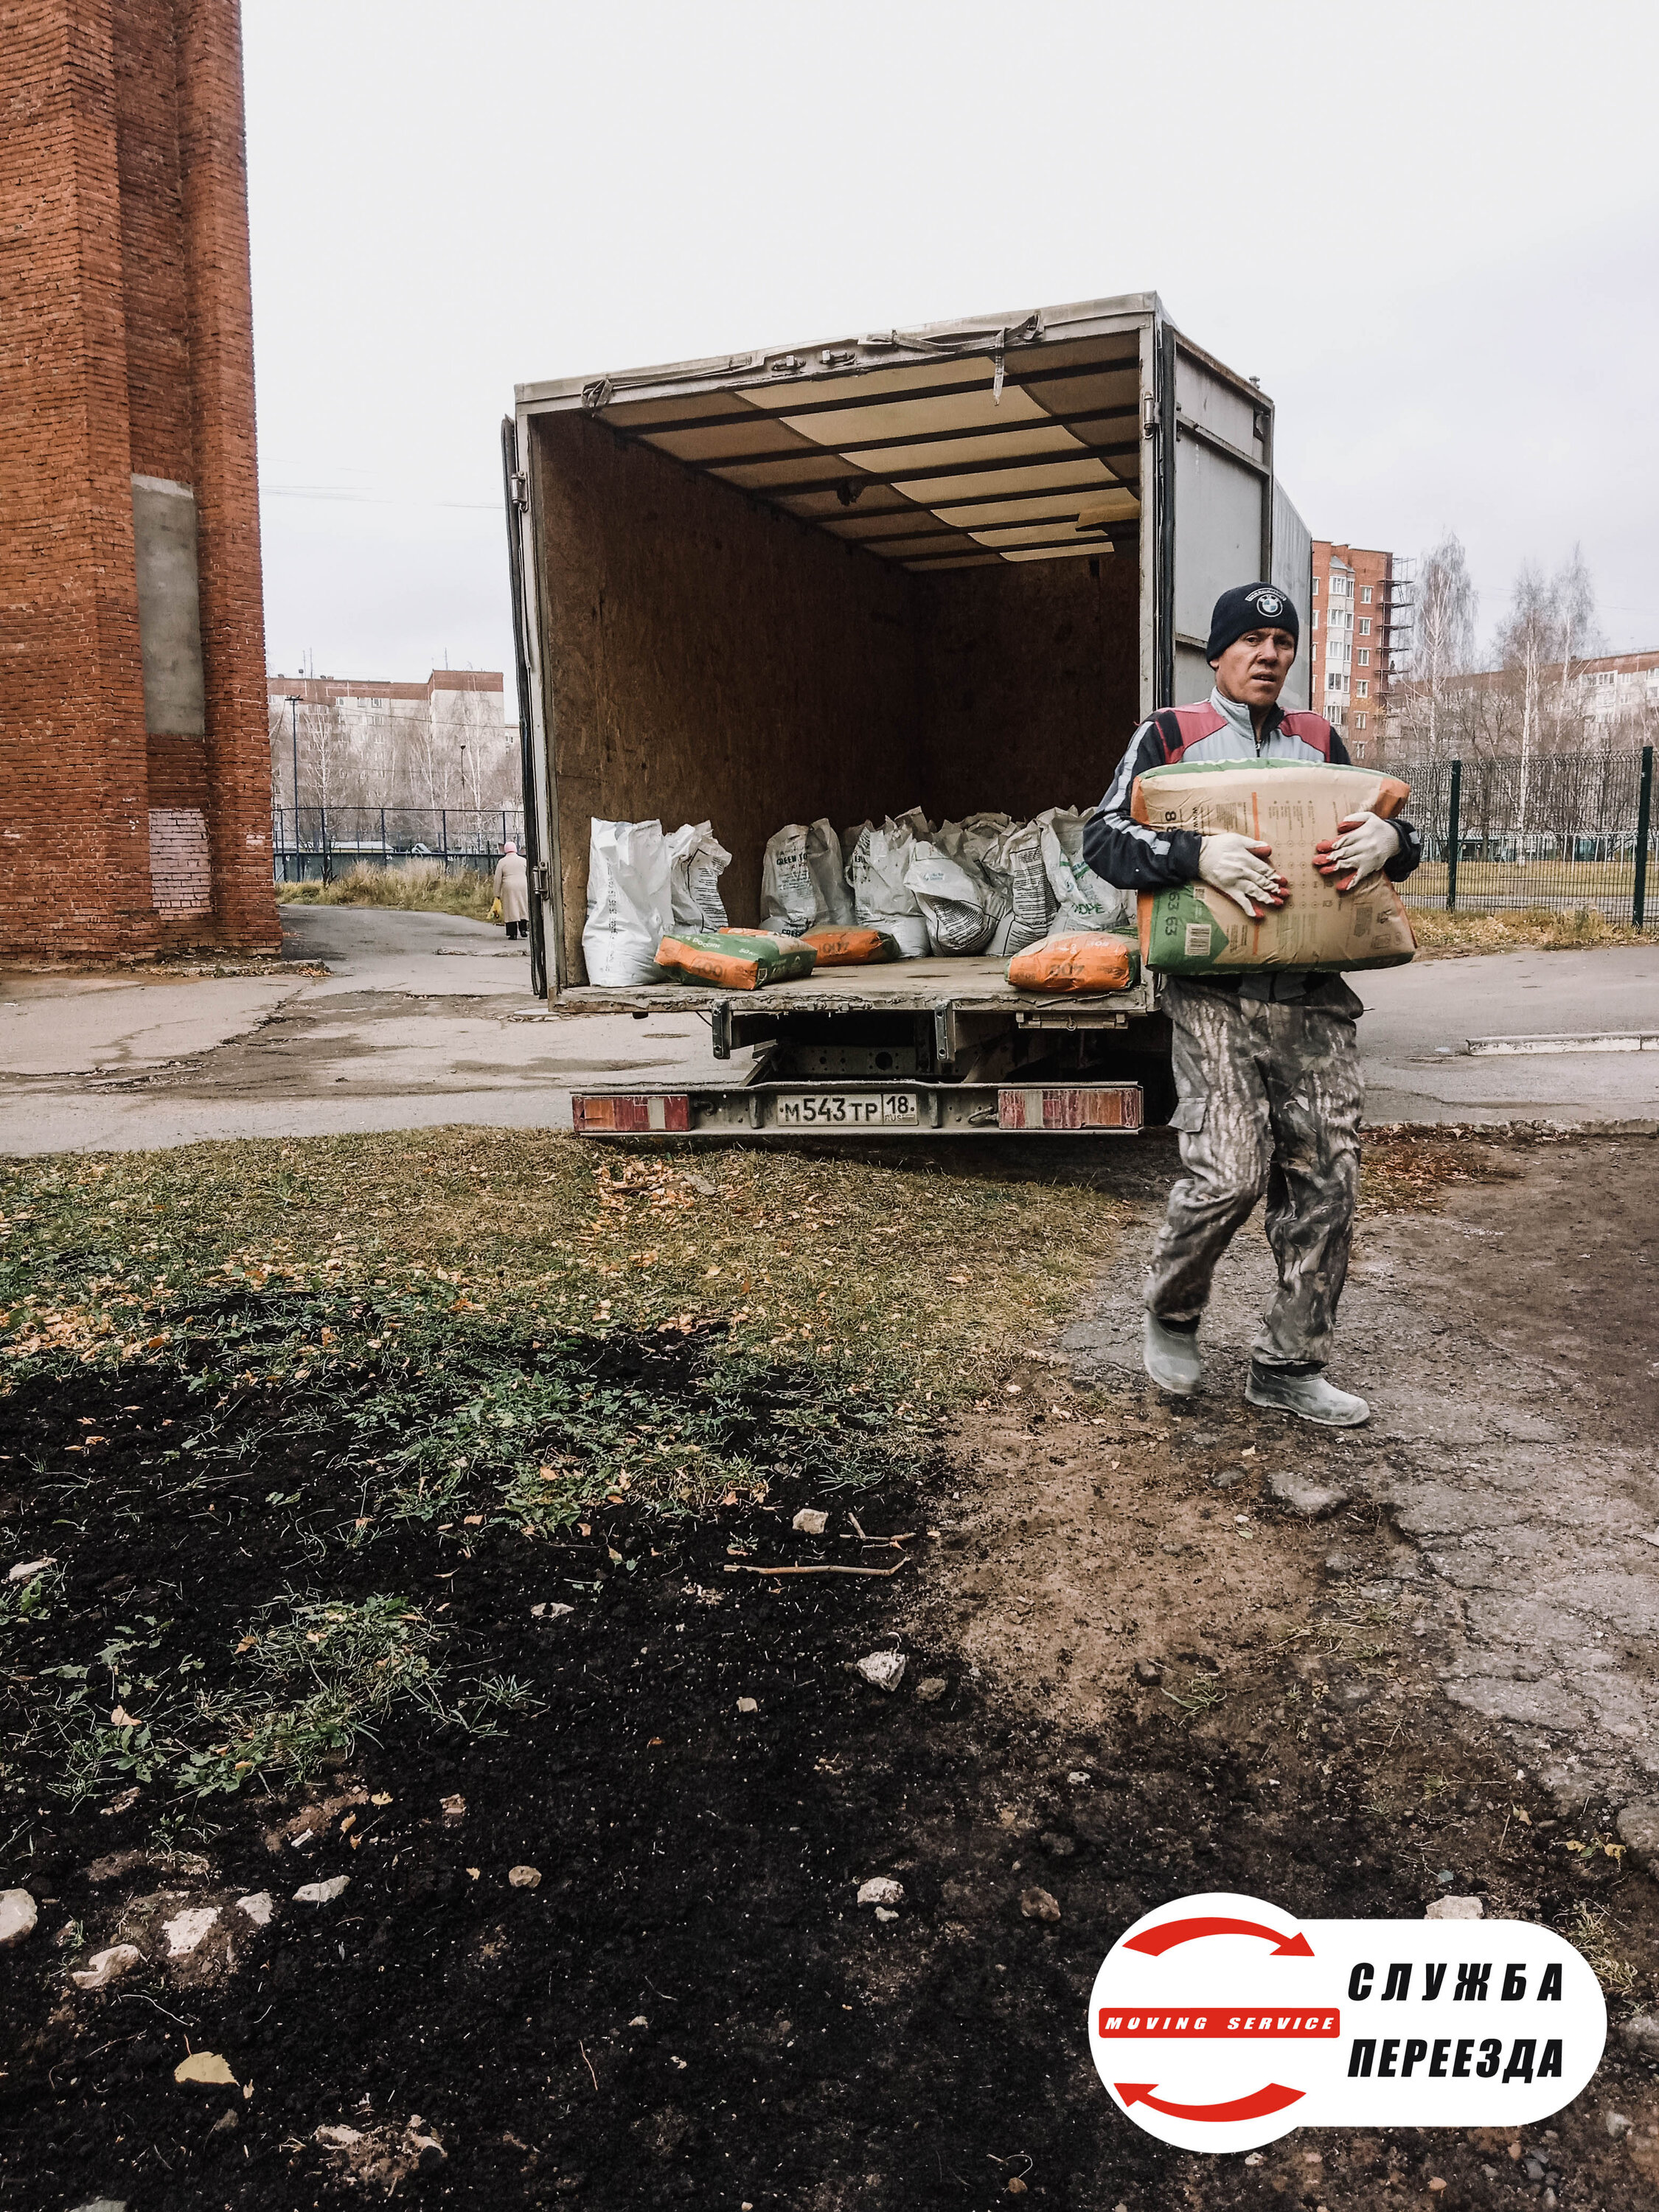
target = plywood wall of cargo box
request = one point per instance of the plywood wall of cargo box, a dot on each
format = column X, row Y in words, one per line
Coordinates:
column 707, row 658
column 1029, row 680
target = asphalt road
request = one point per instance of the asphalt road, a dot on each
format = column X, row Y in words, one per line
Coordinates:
column 423, row 1019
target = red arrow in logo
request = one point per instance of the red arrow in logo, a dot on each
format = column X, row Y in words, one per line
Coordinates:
column 1156, row 1940
column 1257, row 2107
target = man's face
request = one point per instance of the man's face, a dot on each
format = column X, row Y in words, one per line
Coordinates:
column 1254, row 667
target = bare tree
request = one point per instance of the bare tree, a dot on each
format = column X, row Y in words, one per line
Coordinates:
column 1526, row 641
column 1443, row 645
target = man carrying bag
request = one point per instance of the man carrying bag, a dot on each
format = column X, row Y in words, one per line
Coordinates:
column 1267, row 1063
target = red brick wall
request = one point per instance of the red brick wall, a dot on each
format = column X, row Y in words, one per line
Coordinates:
column 213, row 162
column 126, row 344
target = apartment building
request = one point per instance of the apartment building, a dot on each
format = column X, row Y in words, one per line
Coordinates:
column 1619, row 689
column 1360, row 631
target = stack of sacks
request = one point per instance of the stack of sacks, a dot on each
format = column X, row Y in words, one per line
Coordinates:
column 882, row 898
column 986, row 884
column 640, row 885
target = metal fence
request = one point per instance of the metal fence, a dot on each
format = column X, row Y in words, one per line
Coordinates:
column 317, row 843
column 1563, row 831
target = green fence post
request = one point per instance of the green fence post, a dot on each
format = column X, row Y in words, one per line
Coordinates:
column 1644, row 826
column 1452, row 827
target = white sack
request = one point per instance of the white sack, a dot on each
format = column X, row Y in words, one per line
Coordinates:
column 804, row 880
column 1012, row 866
column 1082, row 900
column 630, row 902
column 969, row 839
column 959, row 907
column 881, row 897
column 696, row 860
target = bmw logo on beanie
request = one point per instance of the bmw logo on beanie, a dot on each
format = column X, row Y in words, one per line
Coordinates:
column 1250, row 606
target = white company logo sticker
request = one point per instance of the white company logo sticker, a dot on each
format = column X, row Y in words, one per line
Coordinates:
column 1219, row 2023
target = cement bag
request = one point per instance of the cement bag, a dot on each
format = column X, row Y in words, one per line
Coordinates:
column 1082, row 900
column 630, row 902
column 958, row 906
column 1089, row 960
column 804, row 880
column 696, row 860
column 735, row 959
column 882, row 898
column 969, row 839
column 1190, row 929
column 852, row 948
column 1013, row 867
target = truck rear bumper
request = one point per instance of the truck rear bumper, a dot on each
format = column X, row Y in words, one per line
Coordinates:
column 854, row 1109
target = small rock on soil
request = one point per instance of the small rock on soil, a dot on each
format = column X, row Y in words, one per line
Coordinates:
column 1314, row 1501
column 17, row 1914
column 885, row 1669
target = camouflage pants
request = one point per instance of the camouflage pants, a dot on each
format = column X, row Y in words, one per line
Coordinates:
column 1270, row 1094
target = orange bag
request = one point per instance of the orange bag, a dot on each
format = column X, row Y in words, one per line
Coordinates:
column 738, row 959
column 1092, row 960
column 851, row 948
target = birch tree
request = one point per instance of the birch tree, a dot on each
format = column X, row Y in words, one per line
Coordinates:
column 1444, row 636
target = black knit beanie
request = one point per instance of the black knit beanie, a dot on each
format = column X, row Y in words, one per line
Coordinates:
column 1250, row 606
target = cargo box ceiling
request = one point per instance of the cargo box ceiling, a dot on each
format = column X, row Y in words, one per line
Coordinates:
column 1005, row 447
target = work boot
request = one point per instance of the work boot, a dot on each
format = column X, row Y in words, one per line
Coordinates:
column 1309, row 1397
column 1170, row 1358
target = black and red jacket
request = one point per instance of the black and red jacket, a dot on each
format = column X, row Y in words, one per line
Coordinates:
column 1136, row 858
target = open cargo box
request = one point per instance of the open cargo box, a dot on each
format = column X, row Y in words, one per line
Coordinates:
column 951, row 567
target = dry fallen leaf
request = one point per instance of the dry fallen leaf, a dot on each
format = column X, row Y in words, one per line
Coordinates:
column 206, row 2068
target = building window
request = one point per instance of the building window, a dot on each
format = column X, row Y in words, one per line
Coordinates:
column 1316, row 588
column 1359, row 724
column 1364, row 625
column 1365, row 596
column 1364, row 657
column 1364, row 689
column 1316, row 618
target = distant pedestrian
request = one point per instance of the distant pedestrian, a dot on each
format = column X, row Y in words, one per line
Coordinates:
column 513, row 890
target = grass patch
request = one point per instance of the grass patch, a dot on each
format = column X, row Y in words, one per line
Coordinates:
column 912, row 1280
column 309, row 1677
column 417, row 886
column 1198, row 1695
column 1591, row 1929
column 1443, row 936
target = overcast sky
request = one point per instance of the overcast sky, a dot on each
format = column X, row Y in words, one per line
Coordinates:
column 1429, row 230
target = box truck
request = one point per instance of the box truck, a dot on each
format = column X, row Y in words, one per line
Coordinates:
column 949, row 566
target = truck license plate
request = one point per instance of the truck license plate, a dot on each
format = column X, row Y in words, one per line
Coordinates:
column 849, row 1109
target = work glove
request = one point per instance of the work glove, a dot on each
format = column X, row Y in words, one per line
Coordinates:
column 1238, row 869
column 1362, row 844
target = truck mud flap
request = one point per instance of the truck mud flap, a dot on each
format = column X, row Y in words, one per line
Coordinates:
column 782, row 1110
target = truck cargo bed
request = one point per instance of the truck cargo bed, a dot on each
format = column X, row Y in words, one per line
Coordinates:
column 921, row 986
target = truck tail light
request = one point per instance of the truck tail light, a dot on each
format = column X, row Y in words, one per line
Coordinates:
column 1071, row 1106
column 630, row 1113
